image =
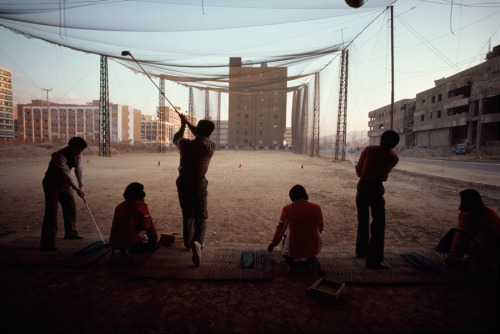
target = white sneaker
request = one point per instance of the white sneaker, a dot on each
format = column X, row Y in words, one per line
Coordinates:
column 196, row 248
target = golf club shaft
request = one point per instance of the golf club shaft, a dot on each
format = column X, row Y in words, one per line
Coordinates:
column 91, row 215
column 124, row 53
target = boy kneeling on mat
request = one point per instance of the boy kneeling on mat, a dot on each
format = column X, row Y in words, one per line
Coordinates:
column 132, row 223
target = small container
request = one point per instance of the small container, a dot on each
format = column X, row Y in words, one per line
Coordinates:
column 326, row 289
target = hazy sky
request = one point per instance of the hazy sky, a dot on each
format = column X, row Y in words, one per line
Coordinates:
column 433, row 39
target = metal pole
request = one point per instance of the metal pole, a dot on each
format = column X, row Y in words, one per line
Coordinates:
column 49, row 119
column 392, row 67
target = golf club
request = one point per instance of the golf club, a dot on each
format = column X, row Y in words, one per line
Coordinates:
column 127, row 53
column 91, row 215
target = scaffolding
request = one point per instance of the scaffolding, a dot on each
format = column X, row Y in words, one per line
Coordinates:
column 160, row 127
column 104, row 137
column 340, row 143
column 315, row 136
column 217, row 135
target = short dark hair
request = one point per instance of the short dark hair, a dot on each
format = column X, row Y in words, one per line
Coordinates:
column 389, row 139
column 134, row 191
column 77, row 143
column 470, row 200
column 298, row 192
column 205, row 127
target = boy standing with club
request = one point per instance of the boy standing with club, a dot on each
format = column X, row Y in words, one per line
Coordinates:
column 58, row 186
column 191, row 184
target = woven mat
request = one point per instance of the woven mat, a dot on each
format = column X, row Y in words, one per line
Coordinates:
column 26, row 251
column 216, row 264
column 406, row 266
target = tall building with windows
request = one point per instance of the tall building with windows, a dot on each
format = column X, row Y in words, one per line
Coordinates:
column 172, row 123
column 148, row 129
column 257, row 105
column 6, row 107
column 65, row 121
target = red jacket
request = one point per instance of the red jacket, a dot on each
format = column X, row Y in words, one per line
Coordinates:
column 375, row 163
column 130, row 218
column 477, row 233
column 304, row 221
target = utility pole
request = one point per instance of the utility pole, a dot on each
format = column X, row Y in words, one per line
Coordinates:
column 49, row 119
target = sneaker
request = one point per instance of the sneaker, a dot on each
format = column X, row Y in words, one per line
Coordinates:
column 196, row 248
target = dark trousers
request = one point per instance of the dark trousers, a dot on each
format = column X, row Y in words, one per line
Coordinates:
column 53, row 197
column 370, row 196
column 193, row 196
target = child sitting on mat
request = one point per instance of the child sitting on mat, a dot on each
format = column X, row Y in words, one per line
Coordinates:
column 478, row 231
column 304, row 222
column 132, row 223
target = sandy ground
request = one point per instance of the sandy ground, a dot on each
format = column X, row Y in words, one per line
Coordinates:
column 246, row 193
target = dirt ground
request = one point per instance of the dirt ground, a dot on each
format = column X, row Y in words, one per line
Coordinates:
column 246, row 193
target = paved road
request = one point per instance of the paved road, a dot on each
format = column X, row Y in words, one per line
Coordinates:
column 472, row 166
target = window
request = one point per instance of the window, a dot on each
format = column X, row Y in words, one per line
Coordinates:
column 422, row 118
column 439, row 114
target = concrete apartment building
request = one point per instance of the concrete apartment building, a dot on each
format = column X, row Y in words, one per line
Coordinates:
column 380, row 121
column 172, row 123
column 220, row 134
column 256, row 118
column 463, row 108
column 69, row 120
column 148, row 129
column 6, row 107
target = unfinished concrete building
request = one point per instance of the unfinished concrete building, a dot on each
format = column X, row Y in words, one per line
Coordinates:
column 463, row 108
column 380, row 121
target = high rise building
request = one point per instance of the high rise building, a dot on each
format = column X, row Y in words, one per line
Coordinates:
column 72, row 120
column 6, row 110
column 173, row 123
column 257, row 105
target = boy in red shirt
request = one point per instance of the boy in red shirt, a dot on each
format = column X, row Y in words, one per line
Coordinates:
column 304, row 222
column 131, row 220
column 373, row 167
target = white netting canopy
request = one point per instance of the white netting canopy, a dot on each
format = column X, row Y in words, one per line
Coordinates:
column 190, row 42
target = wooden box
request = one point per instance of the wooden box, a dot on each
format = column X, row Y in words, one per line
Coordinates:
column 326, row 289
